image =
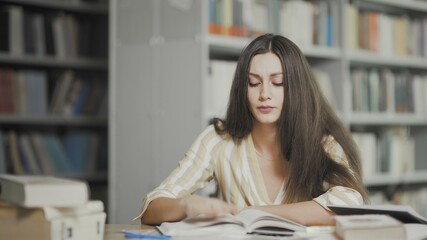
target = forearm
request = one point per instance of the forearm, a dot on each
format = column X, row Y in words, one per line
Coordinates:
column 308, row 213
column 163, row 210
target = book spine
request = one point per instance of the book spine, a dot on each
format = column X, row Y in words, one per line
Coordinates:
column 12, row 192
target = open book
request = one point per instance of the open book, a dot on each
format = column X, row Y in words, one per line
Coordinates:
column 246, row 221
column 403, row 213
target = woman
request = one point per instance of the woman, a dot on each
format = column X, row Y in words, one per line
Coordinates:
column 280, row 149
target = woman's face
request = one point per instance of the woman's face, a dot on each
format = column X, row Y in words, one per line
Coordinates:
column 265, row 88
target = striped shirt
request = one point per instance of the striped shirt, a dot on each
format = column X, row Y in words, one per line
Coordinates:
column 235, row 167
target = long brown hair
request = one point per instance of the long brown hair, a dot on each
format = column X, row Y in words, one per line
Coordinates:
column 306, row 118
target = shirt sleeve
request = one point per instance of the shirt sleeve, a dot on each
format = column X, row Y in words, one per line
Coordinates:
column 337, row 195
column 194, row 171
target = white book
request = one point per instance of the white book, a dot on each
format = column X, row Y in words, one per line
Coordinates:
column 301, row 12
column 40, row 191
column 58, row 27
column 390, row 82
column 351, row 27
column 335, row 19
column 222, row 73
column 40, row 34
column 83, row 222
column 260, row 16
column 385, row 35
column 374, row 90
column 367, row 144
column 397, row 155
column 16, row 26
column 369, row 227
column 356, row 82
column 227, row 10
column 424, row 87
column 417, row 89
column 408, row 164
column 325, row 84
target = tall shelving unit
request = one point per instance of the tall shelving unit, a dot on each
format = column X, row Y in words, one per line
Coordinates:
column 88, row 65
column 160, row 53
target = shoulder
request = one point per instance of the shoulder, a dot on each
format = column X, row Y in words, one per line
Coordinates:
column 210, row 138
column 334, row 150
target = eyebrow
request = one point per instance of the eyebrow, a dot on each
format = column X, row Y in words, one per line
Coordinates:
column 271, row 75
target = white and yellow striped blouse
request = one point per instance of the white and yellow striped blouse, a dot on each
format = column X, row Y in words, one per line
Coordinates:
column 236, row 169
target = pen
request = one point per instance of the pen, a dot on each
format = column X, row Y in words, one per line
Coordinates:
column 135, row 234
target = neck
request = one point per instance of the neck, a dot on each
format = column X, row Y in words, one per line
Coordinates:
column 266, row 141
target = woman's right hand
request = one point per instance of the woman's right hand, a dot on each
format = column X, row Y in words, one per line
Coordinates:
column 198, row 206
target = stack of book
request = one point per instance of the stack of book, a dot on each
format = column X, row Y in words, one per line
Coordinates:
column 42, row 207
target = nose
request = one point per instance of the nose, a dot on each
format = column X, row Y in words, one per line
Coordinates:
column 264, row 92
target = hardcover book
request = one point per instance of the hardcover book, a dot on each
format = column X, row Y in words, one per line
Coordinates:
column 369, row 227
column 40, row 191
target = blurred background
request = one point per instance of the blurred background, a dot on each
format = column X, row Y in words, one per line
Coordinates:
column 114, row 92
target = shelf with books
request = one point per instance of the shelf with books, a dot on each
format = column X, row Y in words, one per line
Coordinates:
column 232, row 46
column 367, row 58
column 387, row 119
column 80, row 6
column 318, row 22
column 53, row 120
column 53, row 62
column 388, row 179
column 54, row 88
column 388, row 79
column 74, row 153
column 100, row 176
column 391, row 34
column 415, row 5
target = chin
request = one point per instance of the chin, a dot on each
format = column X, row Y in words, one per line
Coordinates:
column 267, row 121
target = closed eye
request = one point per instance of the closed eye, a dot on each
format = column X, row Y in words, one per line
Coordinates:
column 253, row 84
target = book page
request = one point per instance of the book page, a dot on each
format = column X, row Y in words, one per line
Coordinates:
column 201, row 226
column 244, row 222
column 253, row 219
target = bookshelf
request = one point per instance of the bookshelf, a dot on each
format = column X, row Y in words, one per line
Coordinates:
column 172, row 87
column 52, row 62
column 64, row 45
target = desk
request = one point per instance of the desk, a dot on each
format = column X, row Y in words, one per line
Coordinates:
column 113, row 232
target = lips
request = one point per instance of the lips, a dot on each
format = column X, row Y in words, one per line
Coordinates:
column 265, row 109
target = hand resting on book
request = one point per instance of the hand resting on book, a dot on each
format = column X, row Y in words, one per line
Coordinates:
column 197, row 206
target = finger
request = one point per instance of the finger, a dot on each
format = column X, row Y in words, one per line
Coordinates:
column 233, row 208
